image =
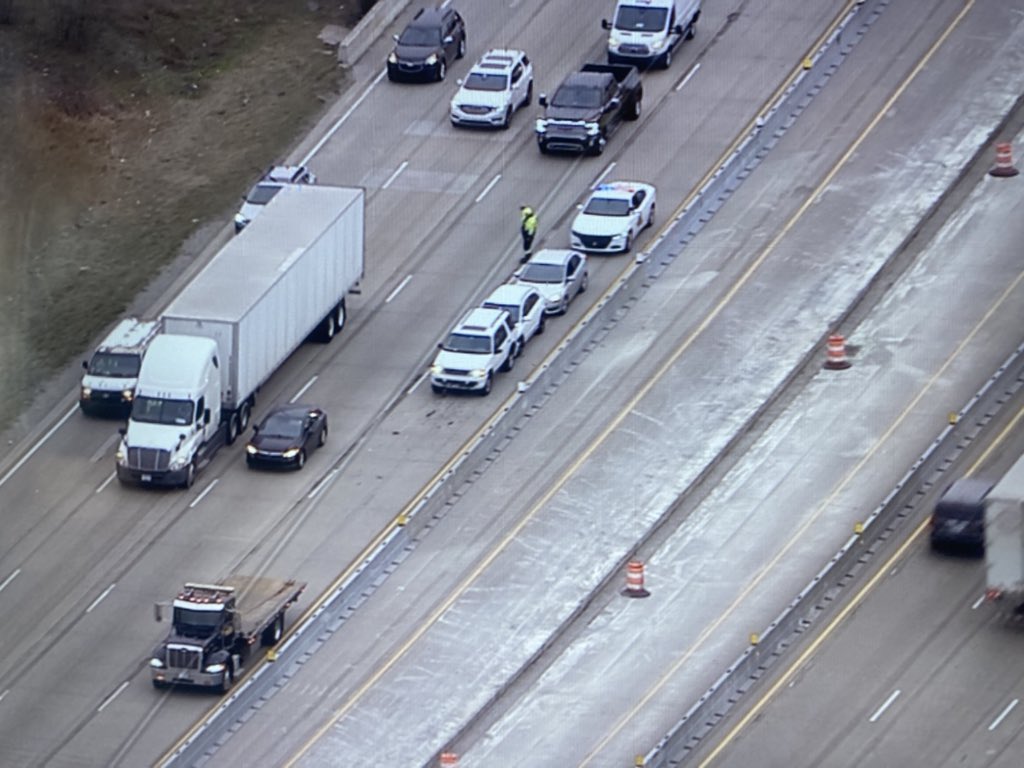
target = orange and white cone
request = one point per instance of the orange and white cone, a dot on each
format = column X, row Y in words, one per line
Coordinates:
column 835, row 355
column 1004, row 161
column 635, row 580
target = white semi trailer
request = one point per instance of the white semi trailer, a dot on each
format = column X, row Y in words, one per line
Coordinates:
column 1004, row 542
column 281, row 281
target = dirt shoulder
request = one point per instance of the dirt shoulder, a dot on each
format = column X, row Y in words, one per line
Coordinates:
column 127, row 142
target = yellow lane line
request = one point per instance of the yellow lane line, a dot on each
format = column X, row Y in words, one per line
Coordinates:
column 584, row 456
column 854, row 603
column 762, row 574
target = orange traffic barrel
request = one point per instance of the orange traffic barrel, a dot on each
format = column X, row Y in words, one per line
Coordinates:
column 635, row 580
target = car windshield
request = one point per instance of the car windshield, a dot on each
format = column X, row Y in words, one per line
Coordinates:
column 512, row 309
column 468, row 343
column 543, row 273
column 156, row 410
column 282, row 425
column 196, row 623
column 607, row 206
column 262, row 194
column 577, row 96
column 637, row 19
column 422, row 36
column 116, row 365
column 485, row 81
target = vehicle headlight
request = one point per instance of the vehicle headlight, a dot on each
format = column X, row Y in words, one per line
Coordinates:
column 392, row 58
column 251, row 449
column 121, row 455
column 431, row 60
column 156, row 663
column 657, row 45
column 177, row 462
column 127, row 395
column 291, row 453
column 478, row 373
column 214, row 669
column 541, row 125
column 437, row 369
column 86, row 393
column 593, row 129
column 614, row 40
column 240, row 219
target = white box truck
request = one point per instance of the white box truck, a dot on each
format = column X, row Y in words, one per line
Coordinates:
column 281, row 281
column 646, row 32
column 1004, row 542
column 108, row 385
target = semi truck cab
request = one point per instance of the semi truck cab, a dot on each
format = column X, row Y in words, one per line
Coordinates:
column 176, row 414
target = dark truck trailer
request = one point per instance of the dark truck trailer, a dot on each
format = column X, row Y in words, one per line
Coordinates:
column 588, row 107
column 215, row 626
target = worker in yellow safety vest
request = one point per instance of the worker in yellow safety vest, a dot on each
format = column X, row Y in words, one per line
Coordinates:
column 528, row 228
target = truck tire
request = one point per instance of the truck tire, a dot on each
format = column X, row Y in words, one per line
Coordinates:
column 272, row 634
column 691, row 28
column 666, row 59
column 507, row 120
column 510, row 361
column 634, row 109
column 228, row 679
column 340, row 316
column 190, row 475
column 233, row 429
column 486, row 389
column 244, row 414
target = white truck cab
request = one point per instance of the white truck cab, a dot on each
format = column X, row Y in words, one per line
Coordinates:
column 645, row 32
column 176, row 413
column 108, row 385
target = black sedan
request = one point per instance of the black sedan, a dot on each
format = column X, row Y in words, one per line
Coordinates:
column 286, row 436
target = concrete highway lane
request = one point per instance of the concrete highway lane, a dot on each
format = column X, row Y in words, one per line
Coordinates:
column 440, row 639
column 920, row 672
column 83, row 559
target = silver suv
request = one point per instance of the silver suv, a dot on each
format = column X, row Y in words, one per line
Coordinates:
column 479, row 346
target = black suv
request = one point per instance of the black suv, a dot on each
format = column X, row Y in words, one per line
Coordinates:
column 434, row 37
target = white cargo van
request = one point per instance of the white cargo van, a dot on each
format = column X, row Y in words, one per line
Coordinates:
column 645, row 32
column 108, row 385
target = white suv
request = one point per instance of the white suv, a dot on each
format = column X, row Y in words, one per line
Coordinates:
column 497, row 85
column 265, row 189
column 479, row 346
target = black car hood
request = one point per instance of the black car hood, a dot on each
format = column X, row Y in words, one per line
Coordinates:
column 413, row 53
column 586, row 114
column 273, row 443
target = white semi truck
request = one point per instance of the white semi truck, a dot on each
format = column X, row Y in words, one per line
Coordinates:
column 281, row 281
column 1004, row 542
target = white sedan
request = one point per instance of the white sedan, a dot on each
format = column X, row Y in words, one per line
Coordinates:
column 613, row 217
column 497, row 85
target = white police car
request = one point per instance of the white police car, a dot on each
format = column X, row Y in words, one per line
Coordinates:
column 613, row 216
column 497, row 85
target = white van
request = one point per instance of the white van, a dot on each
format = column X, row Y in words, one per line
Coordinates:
column 108, row 385
column 645, row 32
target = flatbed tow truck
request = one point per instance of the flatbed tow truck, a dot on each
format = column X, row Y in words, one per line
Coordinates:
column 214, row 628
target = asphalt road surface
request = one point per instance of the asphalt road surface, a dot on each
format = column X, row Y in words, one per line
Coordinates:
column 83, row 559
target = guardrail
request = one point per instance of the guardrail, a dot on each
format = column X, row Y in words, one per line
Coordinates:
column 820, row 596
column 365, row 33
column 531, row 393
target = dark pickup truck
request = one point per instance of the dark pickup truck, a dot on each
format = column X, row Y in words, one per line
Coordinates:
column 587, row 108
